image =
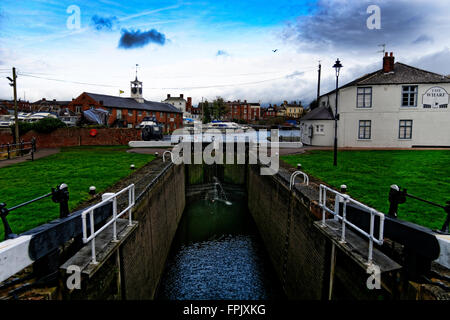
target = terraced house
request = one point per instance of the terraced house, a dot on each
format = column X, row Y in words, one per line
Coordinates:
column 129, row 112
column 397, row 106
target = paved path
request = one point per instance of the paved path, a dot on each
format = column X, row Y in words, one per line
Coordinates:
column 41, row 153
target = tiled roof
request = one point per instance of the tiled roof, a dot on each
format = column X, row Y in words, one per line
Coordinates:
column 130, row 103
column 320, row 113
column 403, row 74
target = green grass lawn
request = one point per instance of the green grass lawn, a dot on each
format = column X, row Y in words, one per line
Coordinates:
column 369, row 174
column 78, row 167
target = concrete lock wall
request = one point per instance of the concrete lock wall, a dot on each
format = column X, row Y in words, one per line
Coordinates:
column 144, row 253
column 305, row 255
column 131, row 269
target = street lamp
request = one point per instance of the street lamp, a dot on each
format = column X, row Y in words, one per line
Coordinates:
column 337, row 66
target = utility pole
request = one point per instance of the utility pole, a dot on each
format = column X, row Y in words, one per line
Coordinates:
column 318, row 82
column 13, row 83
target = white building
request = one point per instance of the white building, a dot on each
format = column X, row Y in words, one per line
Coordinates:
column 398, row 106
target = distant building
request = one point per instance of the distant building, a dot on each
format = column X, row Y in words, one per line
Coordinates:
column 129, row 112
column 22, row 106
column 45, row 105
column 293, row 110
column 397, row 106
column 243, row 110
column 269, row 112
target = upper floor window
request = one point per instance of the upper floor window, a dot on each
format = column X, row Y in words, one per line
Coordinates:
column 140, row 113
column 365, row 128
column 130, row 113
column 364, row 98
column 119, row 114
column 405, row 129
column 409, row 96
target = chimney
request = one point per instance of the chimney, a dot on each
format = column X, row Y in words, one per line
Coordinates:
column 168, row 96
column 181, row 96
column 388, row 62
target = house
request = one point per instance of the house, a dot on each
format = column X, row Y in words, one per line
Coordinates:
column 293, row 110
column 45, row 105
column 281, row 111
column 22, row 106
column 242, row 110
column 398, row 106
column 269, row 112
column 129, row 112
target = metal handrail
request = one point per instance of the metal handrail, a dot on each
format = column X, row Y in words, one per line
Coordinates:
column 294, row 175
column 113, row 221
column 345, row 199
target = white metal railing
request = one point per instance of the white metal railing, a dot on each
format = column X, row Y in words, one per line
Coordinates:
column 345, row 199
column 113, row 221
column 294, row 175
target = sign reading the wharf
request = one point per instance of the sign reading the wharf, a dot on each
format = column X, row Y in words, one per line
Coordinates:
column 435, row 97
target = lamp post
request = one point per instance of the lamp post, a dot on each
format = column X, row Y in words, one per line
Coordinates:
column 337, row 66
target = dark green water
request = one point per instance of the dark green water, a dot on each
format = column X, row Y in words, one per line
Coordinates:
column 217, row 254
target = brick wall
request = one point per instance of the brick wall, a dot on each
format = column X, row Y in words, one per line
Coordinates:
column 68, row 137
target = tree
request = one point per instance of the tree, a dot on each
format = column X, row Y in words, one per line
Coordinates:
column 220, row 108
column 206, row 112
column 314, row 104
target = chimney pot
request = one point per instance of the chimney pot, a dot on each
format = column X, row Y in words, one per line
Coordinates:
column 181, row 96
column 168, row 96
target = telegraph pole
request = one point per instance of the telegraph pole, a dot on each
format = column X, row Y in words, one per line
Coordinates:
column 318, row 83
column 13, row 83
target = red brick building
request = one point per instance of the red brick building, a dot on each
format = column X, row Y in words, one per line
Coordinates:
column 269, row 112
column 129, row 112
column 22, row 106
column 243, row 111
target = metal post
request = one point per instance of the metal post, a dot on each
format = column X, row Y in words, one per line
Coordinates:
column 8, row 148
column 335, row 122
column 91, row 216
column 3, row 213
column 115, row 219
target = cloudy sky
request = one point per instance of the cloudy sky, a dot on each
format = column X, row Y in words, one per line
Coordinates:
column 263, row 50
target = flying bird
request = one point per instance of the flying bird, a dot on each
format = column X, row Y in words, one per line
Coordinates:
column 275, row 50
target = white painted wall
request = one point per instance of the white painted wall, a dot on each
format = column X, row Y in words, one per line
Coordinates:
column 319, row 138
column 431, row 127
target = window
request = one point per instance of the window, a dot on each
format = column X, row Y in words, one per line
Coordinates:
column 78, row 109
column 119, row 114
column 319, row 128
column 365, row 127
column 140, row 113
column 409, row 96
column 130, row 113
column 364, row 99
column 405, row 129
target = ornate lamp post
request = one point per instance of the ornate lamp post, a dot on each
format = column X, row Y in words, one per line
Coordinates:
column 337, row 66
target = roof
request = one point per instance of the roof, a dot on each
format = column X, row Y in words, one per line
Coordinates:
column 320, row 113
column 130, row 103
column 52, row 102
column 403, row 74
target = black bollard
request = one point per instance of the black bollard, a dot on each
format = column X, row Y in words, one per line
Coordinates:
column 61, row 195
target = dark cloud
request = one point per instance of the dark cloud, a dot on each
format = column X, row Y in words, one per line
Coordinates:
column 437, row 62
column 295, row 74
column 342, row 24
column 423, row 39
column 131, row 39
column 222, row 53
column 103, row 23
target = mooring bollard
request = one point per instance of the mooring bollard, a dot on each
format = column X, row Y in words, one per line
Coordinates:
column 299, row 166
column 92, row 190
column 132, row 167
column 61, row 195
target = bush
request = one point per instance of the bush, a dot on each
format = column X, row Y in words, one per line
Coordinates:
column 45, row 125
column 48, row 125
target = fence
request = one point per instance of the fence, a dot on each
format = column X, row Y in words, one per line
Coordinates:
column 19, row 149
